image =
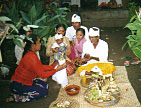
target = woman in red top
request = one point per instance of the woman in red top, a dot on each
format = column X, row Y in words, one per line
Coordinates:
column 23, row 83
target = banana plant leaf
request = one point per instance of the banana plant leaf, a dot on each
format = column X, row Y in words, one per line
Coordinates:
column 139, row 34
column 13, row 27
column 131, row 26
column 26, row 18
column 4, row 18
column 33, row 13
column 137, row 51
column 18, row 42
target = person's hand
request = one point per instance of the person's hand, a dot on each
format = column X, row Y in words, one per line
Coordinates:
column 87, row 56
column 80, row 61
column 89, row 73
column 72, row 43
column 55, row 63
column 60, row 67
column 54, row 50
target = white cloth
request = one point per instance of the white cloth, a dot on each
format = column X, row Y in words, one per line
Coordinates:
column 101, row 51
column 83, row 73
column 58, row 36
column 55, row 45
column 75, row 18
column 93, row 32
column 97, row 69
column 61, row 76
column 71, row 33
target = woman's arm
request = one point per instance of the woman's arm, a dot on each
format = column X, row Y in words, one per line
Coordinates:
column 41, row 70
column 34, row 65
column 68, row 45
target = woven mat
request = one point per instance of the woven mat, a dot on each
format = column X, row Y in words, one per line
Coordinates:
column 127, row 93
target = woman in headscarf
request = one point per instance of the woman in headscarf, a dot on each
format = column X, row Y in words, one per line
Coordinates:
column 60, row 29
column 24, row 85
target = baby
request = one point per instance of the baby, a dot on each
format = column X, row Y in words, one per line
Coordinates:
column 59, row 48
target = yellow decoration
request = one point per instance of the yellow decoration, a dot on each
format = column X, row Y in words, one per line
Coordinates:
column 84, row 79
column 106, row 68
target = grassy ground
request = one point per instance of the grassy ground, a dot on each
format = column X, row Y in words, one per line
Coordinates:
column 115, row 38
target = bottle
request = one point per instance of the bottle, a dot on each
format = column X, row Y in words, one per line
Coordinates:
column 84, row 80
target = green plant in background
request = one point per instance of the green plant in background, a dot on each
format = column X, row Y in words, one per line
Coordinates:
column 6, row 28
column 133, row 6
column 134, row 39
column 12, row 8
column 33, row 12
column 46, row 20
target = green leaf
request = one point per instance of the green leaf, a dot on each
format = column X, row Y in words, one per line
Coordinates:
column 139, row 34
column 131, row 26
column 131, row 37
column 133, row 18
column 13, row 27
column 44, row 31
column 124, row 45
column 18, row 42
column 40, row 19
column 53, row 18
column 4, row 18
column 11, row 36
column 54, row 105
column 137, row 51
column 33, row 13
column 25, row 17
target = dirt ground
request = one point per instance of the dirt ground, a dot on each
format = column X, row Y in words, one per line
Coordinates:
column 115, row 37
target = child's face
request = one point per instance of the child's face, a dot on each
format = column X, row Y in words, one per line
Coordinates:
column 60, row 30
column 59, row 41
column 79, row 35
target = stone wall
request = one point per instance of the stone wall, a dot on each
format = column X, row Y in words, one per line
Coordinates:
column 104, row 18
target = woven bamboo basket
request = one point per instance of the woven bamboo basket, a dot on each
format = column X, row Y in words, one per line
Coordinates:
column 105, row 103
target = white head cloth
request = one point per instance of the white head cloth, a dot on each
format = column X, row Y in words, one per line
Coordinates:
column 58, row 36
column 94, row 31
column 75, row 18
column 28, row 27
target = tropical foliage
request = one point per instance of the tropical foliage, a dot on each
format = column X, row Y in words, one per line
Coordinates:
column 33, row 12
column 133, row 6
column 134, row 38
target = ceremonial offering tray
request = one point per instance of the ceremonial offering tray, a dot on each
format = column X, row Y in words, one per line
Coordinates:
column 95, row 97
column 72, row 89
column 64, row 102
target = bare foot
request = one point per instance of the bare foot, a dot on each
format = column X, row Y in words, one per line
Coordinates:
column 10, row 99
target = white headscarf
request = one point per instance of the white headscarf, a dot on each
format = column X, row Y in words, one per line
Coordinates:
column 75, row 18
column 94, row 31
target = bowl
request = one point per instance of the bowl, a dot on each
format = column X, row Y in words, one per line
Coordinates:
column 72, row 89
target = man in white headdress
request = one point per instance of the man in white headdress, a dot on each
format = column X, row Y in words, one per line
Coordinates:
column 95, row 50
column 95, row 53
column 76, row 24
